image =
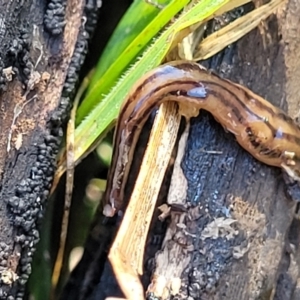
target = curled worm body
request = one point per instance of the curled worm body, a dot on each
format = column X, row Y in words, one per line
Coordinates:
column 263, row 130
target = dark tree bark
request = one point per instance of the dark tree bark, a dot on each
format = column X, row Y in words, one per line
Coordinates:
column 42, row 47
column 238, row 237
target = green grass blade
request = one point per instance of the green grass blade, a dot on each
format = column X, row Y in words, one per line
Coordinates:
column 121, row 62
column 127, row 30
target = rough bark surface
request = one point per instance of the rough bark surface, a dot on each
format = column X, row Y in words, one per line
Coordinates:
column 233, row 234
column 42, row 46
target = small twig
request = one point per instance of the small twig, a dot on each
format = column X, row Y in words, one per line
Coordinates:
column 70, row 165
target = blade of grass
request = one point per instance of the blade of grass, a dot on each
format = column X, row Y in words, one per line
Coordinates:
column 127, row 251
column 136, row 18
column 235, row 30
column 121, row 62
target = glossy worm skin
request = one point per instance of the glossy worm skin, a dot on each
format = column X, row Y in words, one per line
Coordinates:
column 263, row 130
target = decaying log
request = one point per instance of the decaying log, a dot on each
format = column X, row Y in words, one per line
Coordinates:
column 232, row 232
column 42, row 47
